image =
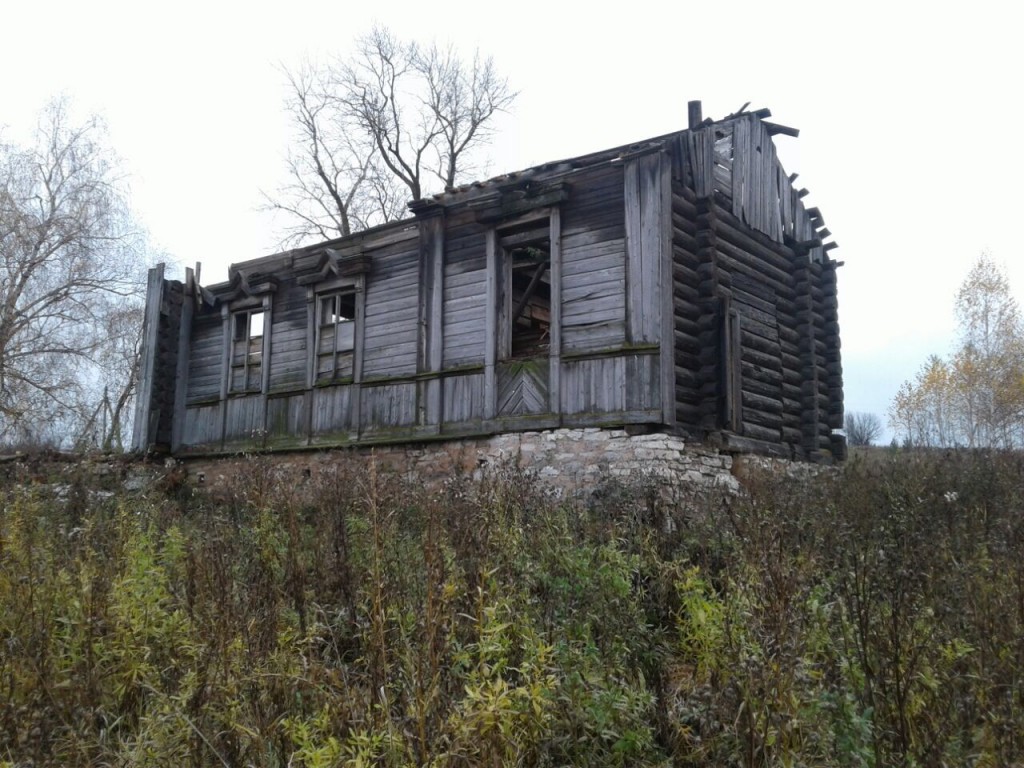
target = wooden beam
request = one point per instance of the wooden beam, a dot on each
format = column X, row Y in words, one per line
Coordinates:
column 144, row 430
column 694, row 113
column 555, row 327
column 528, row 294
column 775, row 129
column 491, row 325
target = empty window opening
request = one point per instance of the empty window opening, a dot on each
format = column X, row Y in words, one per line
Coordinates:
column 335, row 344
column 247, row 350
column 525, row 301
column 531, row 300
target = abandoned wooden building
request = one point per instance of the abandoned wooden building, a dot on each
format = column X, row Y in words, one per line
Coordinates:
column 678, row 284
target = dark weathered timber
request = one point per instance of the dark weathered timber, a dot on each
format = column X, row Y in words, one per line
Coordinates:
column 694, row 114
column 687, row 287
column 146, row 412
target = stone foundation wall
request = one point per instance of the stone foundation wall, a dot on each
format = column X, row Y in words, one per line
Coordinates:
column 571, row 462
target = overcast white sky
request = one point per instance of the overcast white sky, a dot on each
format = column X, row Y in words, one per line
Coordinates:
column 909, row 112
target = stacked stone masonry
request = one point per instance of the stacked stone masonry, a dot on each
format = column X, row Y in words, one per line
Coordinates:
column 571, row 462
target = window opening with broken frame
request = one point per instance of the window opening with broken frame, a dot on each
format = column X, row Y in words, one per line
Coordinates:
column 525, row 303
column 335, row 342
column 247, row 330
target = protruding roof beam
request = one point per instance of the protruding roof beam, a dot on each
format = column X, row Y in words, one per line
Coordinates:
column 775, row 129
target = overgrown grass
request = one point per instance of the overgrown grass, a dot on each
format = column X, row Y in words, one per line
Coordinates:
column 870, row 618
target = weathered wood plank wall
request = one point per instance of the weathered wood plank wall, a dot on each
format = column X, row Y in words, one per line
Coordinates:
column 289, row 355
column 465, row 301
column 392, row 309
column 594, row 265
column 693, row 295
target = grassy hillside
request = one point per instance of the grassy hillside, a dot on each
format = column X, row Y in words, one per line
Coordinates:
column 874, row 617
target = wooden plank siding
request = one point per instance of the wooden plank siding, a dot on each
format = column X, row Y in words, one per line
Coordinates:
column 465, row 297
column 289, row 356
column 594, row 265
column 392, row 312
column 205, row 369
column 649, row 291
column 685, row 290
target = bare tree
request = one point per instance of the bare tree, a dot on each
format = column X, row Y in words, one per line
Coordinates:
column 111, row 391
column 862, row 429
column 67, row 260
column 337, row 184
column 382, row 128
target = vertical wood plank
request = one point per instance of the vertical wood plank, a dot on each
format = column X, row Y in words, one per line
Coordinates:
column 490, row 326
column 225, row 368
column 311, row 351
column 268, row 343
column 181, row 374
column 432, row 299
column 650, row 247
column 666, row 332
column 359, row 345
column 634, row 262
column 142, row 433
column 555, row 328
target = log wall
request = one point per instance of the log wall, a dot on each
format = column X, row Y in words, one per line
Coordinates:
column 756, row 338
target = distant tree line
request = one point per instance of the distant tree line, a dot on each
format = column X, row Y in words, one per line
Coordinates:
column 975, row 397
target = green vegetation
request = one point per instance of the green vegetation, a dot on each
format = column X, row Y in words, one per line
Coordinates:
column 872, row 617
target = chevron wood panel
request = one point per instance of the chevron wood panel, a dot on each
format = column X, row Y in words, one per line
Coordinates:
column 522, row 388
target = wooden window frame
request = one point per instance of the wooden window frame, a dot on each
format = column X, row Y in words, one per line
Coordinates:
column 253, row 346
column 498, row 329
column 515, row 292
column 355, row 287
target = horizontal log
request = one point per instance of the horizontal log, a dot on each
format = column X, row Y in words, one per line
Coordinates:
column 791, row 435
column 728, row 225
column 732, row 259
column 763, row 389
column 688, row 412
column 686, row 273
column 791, row 384
column 685, row 347
column 685, row 325
column 761, row 432
column 687, row 194
column 684, row 222
column 768, row 405
column 760, row 358
column 766, row 332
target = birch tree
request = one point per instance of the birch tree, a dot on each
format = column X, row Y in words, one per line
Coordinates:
column 976, row 397
column 68, row 259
